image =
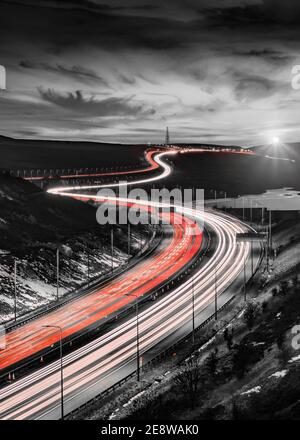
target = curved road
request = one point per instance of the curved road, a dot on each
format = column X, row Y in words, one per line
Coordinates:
column 92, row 368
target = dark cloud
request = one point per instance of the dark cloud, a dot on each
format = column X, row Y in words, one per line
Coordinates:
column 127, row 79
column 255, row 87
column 78, row 72
column 92, row 107
column 267, row 12
column 269, row 55
column 195, row 60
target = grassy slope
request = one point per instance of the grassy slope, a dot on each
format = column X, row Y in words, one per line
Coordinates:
column 50, row 154
column 32, row 225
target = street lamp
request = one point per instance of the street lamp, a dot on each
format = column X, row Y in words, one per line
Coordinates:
column 61, row 368
column 112, row 248
column 137, row 334
column 244, row 270
column 193, row 311
column 15, row 288
column 216, row 296
column 245, row 292
column 57, row 273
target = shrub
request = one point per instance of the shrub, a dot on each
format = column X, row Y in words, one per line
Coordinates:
column 251, row 313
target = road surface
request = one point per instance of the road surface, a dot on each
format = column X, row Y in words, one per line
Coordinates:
column 173, row 254
column 94, row 367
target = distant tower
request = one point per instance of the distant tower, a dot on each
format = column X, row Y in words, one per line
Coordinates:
column 2, row 78
column 167, row 140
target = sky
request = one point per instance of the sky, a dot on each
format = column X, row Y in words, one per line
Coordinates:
column 213, row 71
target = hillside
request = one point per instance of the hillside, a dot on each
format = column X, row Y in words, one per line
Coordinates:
column 20, row 153
column 290, row 150
column 32, row 225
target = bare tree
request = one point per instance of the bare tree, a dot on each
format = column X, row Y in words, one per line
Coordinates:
column 251, row 313
column 189, row 378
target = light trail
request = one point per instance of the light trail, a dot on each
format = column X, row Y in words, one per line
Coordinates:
column 88, row 310
column 88, row 369
column 61, row 190
column 31, row 397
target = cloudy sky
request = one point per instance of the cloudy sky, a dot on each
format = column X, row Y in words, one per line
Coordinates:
column 122, row 70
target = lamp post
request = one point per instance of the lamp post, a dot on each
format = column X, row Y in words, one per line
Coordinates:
column 137, row 335
column 57, row 273
column 216, row 296
column 270, row 230
column 61, row 368
column 193, row 311
column 112, row 248
column 15, row 289
column 245, row 293
column 129, row 236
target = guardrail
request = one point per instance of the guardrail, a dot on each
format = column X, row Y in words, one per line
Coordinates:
column 52, row 173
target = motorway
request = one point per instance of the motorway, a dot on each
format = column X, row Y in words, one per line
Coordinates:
column 94, row 367
column 173, row 254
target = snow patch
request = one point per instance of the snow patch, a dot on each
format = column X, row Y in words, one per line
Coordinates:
column 204, row 346
column 279, row 374
column 241, row 314
column 252, row 390
column 294, row 359
column 134, row 398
